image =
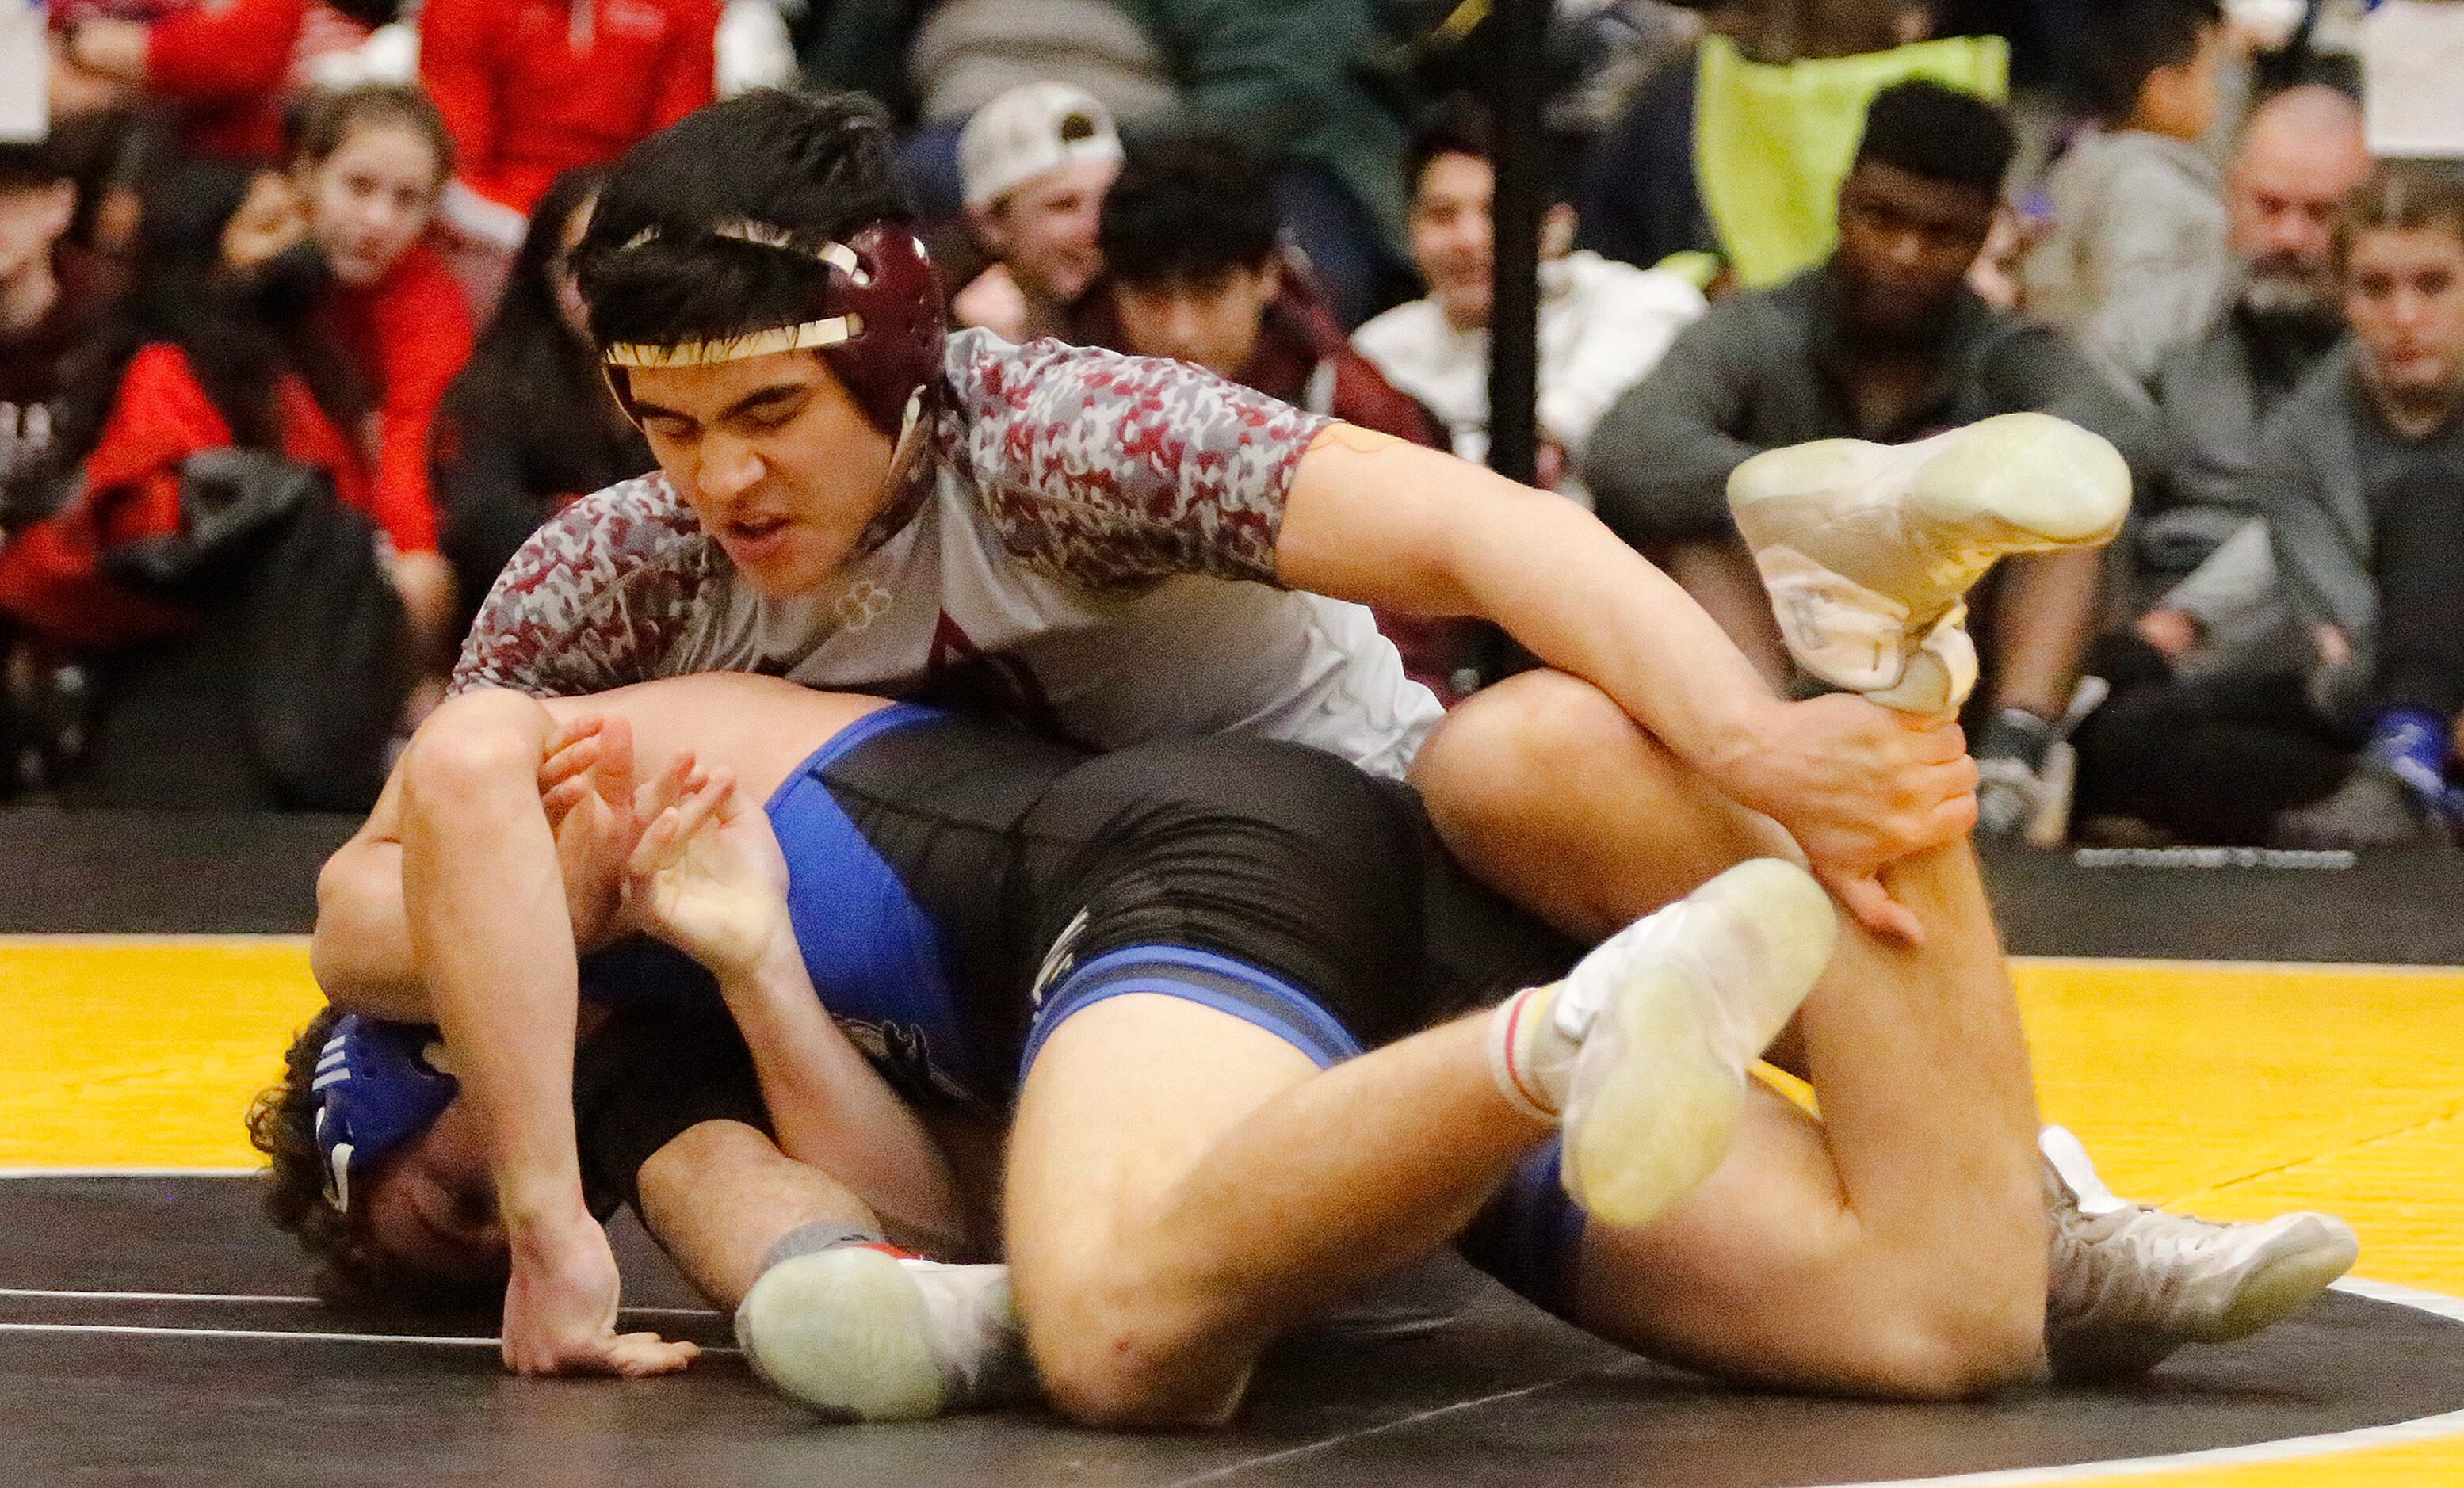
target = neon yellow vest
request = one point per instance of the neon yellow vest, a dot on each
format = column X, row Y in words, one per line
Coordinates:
column 1772, row 142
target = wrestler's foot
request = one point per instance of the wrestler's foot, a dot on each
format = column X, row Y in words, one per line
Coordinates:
column 861, row 1333
column 1868, row 550
column 2130, row 1284
column 1670, row 1013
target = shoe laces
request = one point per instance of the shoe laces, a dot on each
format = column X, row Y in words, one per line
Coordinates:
column 2134, row 1261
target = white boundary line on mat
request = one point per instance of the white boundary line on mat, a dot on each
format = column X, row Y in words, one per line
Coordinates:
column 2428, row 1427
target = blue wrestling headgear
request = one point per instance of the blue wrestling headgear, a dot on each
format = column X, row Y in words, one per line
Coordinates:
column 378, row 1086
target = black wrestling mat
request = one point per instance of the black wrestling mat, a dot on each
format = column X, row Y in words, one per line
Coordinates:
column 129, row 872
column 152, row 1332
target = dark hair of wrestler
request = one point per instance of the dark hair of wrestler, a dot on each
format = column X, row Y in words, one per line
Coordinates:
column 349, row 1268
column 817, row 166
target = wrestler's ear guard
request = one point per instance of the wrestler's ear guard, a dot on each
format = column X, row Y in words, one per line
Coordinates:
column 378, row 1086
column 877, row 317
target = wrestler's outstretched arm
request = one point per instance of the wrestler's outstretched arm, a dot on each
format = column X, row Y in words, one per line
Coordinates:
column 1859, row 786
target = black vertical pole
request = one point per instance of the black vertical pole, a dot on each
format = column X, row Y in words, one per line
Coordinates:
column 1516, row 90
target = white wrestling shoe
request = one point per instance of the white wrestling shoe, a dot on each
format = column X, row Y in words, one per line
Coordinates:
column 1670, row 1013
column 1868, row 550
column 861, row 1333
column 2130, row 1284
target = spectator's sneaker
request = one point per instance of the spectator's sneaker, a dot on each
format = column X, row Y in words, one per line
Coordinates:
column 2130, row 1284
column 1868, row 549
column 860, row 1332
column 1670, row 1013
column 2374, row 809
column 2015, row 772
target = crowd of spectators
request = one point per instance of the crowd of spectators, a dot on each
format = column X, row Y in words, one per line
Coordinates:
column 291, row 359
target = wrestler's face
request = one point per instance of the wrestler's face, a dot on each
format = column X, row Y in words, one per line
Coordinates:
column 432, row 1208
column 1905, row 243
column 2404, row 294
column 774, row 456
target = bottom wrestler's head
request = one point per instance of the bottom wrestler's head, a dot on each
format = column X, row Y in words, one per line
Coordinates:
column 378, row 1166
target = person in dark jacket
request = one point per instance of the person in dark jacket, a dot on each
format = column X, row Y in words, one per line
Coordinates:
column 528, row 425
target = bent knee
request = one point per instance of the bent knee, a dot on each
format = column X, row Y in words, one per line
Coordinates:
column 1970, row 1353
column 474, row 741
column 1115, row 1363
column 1519, row 732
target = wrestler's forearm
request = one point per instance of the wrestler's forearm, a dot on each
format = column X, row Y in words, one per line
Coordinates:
column 831, row 1110
column 483, row 891
column 1412, row 530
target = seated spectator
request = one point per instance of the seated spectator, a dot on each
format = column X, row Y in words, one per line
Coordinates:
column 1883, row 343
column 52, row 295
column 2135, row 262
column 2301, row 153
column 529, row 425
column 2361, row 480
column 1034, row 164
column 214, row 351
column 531, row 89
column 1738, row 152
column 228, row 69
column 1283, row 78
column 1194, row 270
column 1602, row 324
column 370, row 165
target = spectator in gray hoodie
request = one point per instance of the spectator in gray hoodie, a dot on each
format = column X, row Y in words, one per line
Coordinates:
column 2361, row 480
column 2135, row 263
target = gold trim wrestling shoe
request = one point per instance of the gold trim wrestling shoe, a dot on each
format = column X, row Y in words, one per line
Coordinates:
column 2130, row 1284
column 1869, row 550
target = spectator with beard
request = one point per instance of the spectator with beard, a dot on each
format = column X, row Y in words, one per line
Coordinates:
column 1886, row 342
column 1034, row 164
column 371, row 163
column 2301, row 153
column 529, row 426
column 2334, row 727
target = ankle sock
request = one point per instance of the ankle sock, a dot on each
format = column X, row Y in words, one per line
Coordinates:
column 821, row 1235
column 1530, row 1056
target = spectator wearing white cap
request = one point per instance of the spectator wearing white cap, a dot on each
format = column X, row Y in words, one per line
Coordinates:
column 1034, row 164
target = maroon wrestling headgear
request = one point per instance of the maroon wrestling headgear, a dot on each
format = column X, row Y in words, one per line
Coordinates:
column 878, row 319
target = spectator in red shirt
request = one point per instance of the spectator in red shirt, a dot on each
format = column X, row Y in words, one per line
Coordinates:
column 371, row 163
column 534, row 88
column 225, row 67
column 1195, row 271
column 213, row 348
